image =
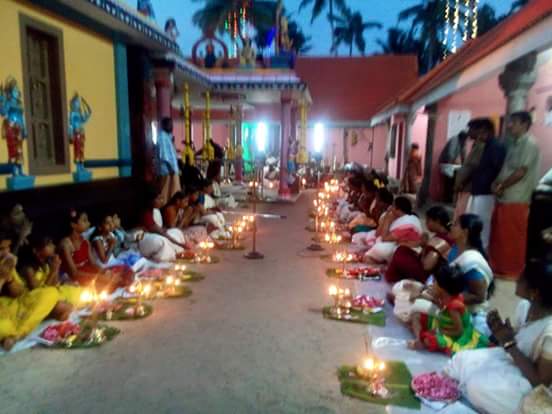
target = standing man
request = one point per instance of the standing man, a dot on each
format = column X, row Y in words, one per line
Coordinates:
column 482, row 200
column 413, row 170
column 513, row 188
column 167, row 160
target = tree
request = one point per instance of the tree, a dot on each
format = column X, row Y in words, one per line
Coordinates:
column 399, row 42
column 350, row 30
column 487, row 19
column 427, row 26
column 301, row 42
column 518, row 4
column 212, row 16
column 318, row 6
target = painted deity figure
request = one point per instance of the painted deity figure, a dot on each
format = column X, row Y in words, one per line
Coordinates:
column 247, row 54
column 293, row 150
column 146, row 8
column 210, row 60
column 286, row 44
column 80, row 113
column 13, row 126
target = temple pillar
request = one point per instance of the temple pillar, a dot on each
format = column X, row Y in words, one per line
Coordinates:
column 238, row 161
column 163, row 89
column 516, row 81
column 284, row 145
column 294, row 124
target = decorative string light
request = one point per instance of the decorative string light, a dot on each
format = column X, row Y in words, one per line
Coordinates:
column 466, row 20
column 447, row 29
column 475, row 16
column 455, row 25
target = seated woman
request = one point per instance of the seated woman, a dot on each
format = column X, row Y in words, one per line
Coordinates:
column 451, row 330
column 347, row 210
column 76, row 257
column 180, row 214
column 405, row 229
column 210, row 213
column 468, row 254
column 363, row 221
column 506, row 379
column 104, row 243
column 159, row 243
column 214, row 174
column 363, row 224
column 408, row 263
column 21, row 310
column 39, row 267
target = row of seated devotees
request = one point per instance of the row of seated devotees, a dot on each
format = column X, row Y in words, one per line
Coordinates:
column 41, row 280
column 441, row 283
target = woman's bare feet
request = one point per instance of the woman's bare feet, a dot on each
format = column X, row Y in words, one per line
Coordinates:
column 61, row 311
column 415, row 345
column 8, row 343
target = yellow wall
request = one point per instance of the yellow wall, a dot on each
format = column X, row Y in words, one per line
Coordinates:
column 89, row 70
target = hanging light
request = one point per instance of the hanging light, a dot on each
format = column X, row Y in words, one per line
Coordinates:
column 475, row 17
column 261, row 136
column 319, row 136
column 447, row 29
column 466, row 20
column 455, row 24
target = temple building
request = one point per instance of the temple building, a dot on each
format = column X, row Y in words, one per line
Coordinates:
column 95, row 77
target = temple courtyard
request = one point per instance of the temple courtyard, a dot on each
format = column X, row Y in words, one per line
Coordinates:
column 250, row 339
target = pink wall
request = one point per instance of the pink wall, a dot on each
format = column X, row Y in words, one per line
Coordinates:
column 540, row 93
column 357, row 153
column 485, row 99
column 419, row 133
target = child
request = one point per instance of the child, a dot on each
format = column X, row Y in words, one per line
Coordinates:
column 21, row 311
column 451, row 330
column 39, row 267
column 104, row 243
column 76, row 257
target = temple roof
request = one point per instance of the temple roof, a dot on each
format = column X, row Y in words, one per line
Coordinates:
column 351, row 89
column 113, row 17
column 471, row 53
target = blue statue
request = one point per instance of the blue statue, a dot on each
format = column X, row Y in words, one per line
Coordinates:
column 13, row 127
column 146, row 8
column 80, row 113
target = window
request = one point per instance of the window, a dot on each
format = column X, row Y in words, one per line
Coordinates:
column 45, row 103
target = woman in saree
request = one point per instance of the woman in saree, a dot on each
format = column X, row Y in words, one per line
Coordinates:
column 409, row 263
column 405, row 229
column 364, row 222
column 518, row 374
column 178, row 213
column 21, row 310
column 347, row 209
column 450, row 330
column 468, row 255
column 159, row 244
column 76, row 257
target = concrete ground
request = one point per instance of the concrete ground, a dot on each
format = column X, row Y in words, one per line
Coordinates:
column 250, row 340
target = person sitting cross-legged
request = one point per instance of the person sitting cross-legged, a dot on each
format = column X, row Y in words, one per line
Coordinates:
column 516, row 376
